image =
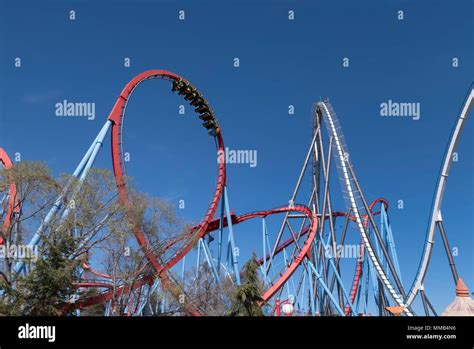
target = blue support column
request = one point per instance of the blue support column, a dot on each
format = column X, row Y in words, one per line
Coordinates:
column 210, row 262
column 285, row 257
column 326, row 289
column 391, row 243
column 264, row 229
column 221, row 233
column 183, row 267
column 107, row 308
column 5, row 198
column 95, row 150
column 302, row 292
column 367, row 286
column 235, row 263
column 272, row 268
column 198, row 259
column 330, row 262
column 311, row 294
column 83, row 167
column 163, row 305
column 374, row 279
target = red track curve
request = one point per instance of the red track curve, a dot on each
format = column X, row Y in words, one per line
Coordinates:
column 13, row 200
column 268, row 294
column 358, row 272
column 303, row 252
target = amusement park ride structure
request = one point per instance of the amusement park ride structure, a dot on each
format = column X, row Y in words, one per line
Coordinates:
column 298, row 273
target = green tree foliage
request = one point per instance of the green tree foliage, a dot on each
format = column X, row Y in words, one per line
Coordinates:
column 43, row 291
column 248, row 296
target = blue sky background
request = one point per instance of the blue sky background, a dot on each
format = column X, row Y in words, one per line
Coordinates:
column 282, row 62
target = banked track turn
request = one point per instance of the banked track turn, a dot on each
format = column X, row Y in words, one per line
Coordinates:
column 213, row 226
column 358, row 272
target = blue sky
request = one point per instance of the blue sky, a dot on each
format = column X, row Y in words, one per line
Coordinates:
column 282, row 63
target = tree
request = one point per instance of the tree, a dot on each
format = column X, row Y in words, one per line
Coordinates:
column 248, row 296
column 54, row 269
column 36, row 191
column 43, row 291
column 206, row 294
column 125, row 261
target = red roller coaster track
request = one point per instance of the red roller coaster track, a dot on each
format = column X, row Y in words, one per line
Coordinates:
column 12, row 200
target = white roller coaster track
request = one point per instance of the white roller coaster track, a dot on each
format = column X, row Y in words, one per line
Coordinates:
column 438, row 198
column 352, row 197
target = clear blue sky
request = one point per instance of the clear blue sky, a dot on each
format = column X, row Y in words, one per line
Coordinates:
column 282, row 62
